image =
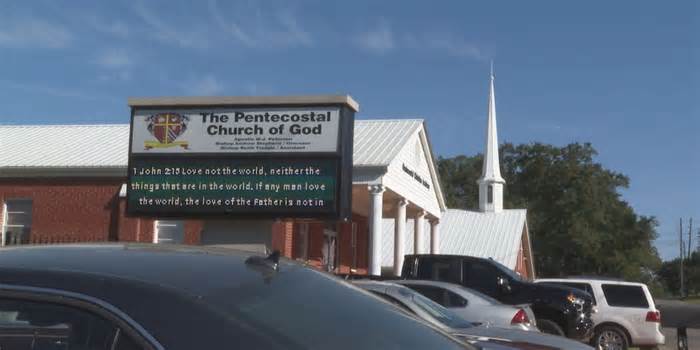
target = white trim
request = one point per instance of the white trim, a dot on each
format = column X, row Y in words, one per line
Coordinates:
column 156, row 223
column 155, row 231
column 4, row 221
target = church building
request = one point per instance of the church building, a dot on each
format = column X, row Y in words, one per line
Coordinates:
column 489, row 232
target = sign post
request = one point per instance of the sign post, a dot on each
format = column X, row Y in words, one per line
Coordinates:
column 241, row 157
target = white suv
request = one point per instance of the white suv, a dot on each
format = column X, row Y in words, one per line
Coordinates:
column 626, row 315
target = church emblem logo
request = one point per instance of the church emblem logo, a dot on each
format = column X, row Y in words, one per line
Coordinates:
column 166, row 128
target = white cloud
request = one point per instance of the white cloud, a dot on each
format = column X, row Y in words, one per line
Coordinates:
column 382, row 39
column 455, row 47
column 112, row 27
column 114, row 58
column 62, row 92
column 205, row 86
column 169, row 33
column 378, row 40
column 257, row 30
column 33, row 33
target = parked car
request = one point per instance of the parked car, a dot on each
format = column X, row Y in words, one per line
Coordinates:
column 125, row 297
column 487, row 337
column 626, row 313
column 474, row 306
column 559, row 310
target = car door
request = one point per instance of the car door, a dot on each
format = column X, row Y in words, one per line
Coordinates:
column 628, row 302
column 481, row 277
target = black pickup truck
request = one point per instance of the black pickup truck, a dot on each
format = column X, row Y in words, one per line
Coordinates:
column 559, row 310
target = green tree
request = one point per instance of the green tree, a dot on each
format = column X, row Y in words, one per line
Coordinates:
column 670, row 274
column 578, row 221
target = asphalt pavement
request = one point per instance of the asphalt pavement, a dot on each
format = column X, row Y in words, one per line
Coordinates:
column 670, row 333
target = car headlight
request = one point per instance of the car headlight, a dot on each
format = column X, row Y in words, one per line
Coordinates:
column 576, row 301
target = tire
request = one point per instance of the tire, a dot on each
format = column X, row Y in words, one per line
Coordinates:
column 550, row 327
column 610, row 338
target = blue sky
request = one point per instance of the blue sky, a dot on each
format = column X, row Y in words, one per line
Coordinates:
column 624, row 75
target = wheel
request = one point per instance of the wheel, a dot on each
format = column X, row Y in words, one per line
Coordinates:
column 550, row 327
column 610, row 338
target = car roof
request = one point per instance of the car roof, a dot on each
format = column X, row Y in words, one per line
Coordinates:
column 591, row 279
column 191, row 268
column 194, row 297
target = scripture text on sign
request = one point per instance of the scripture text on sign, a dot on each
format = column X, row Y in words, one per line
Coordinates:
column 215, row 185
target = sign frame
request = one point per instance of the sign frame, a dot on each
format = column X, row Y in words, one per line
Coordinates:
column 343, row 155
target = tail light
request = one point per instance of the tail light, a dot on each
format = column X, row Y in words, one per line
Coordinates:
column 520, row 317
column 654, row 316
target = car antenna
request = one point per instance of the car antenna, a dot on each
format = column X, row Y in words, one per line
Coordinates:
column 271, row 261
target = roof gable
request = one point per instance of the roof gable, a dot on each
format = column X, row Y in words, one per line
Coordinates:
column 486, row 235
column 377, row 142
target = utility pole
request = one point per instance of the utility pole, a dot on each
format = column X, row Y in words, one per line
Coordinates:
column 680, row 232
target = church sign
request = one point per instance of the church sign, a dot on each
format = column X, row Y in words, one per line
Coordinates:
column 241, row 157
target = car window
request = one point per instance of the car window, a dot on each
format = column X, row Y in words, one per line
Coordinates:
column 393, row 301
column 586, row 287
column 625, row 296
column 481, row 277
column 39, row 325
column 455, row 300
column 507, row 271
column 433, row 293
column 437, row 311
column 439, row 269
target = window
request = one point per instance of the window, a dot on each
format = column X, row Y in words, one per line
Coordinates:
column 17, row 221
column 625, row 296
column 481, row 276
column 439, row 295
column 169, row 231
column 433, row 293
column 439, row 269
column 489, row 195
column 455, row 300
column 582, row 286
column 36, row 325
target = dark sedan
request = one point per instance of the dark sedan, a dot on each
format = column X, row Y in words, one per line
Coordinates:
column 121, row 296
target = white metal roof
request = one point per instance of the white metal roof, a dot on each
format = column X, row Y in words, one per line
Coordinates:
column 376, row 143
column 64, row 146
column 464, row 232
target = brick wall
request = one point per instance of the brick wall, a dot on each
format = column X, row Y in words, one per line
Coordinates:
column 68, row 209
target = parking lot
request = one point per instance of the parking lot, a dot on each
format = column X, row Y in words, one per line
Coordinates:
column 670, row 333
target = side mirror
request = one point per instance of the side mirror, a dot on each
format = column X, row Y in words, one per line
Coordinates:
column 503, row 285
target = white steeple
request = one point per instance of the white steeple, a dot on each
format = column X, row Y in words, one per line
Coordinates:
column 491, row 183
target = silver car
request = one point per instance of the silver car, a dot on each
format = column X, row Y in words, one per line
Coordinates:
column 487, row 337
column 475, row 306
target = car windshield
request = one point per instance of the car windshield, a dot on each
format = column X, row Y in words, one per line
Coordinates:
column 437, row 311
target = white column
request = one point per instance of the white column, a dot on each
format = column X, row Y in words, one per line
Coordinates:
column 376, row 195
column 399, row 235
column 435, row 236
column 419, row 223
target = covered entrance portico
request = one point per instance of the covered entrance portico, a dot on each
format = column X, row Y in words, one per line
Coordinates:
column 394, row 177
column 381, row 202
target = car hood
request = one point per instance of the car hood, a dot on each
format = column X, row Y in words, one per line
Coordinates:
column 518, row 336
